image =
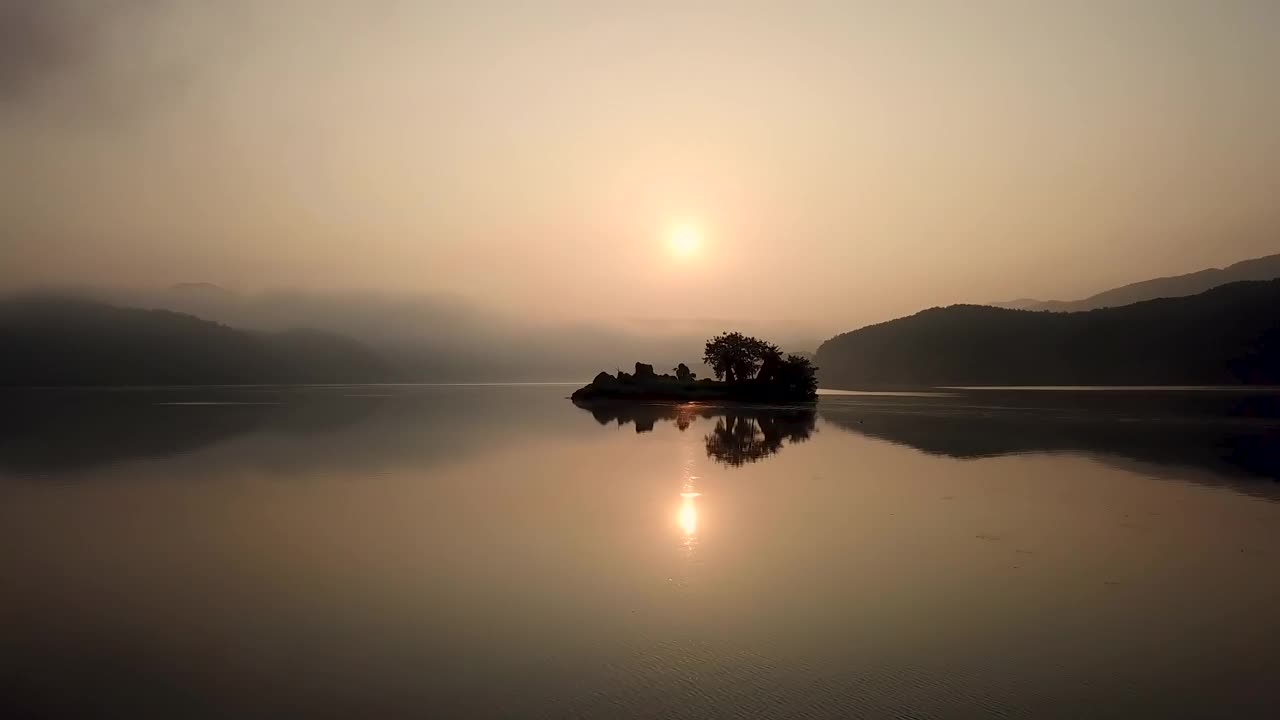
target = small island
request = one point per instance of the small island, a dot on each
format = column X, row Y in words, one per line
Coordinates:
column 746, row 369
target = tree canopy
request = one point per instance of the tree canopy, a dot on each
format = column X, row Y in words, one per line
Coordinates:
column 738, row 358
column 735, row 357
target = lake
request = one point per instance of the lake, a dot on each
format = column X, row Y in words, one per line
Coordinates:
column 495, row 551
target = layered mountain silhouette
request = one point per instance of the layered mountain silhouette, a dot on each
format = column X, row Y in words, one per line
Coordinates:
column 435, row 337
column 61, row 341
column 1227, row 335
column 1202, row 331
column 1263, row 268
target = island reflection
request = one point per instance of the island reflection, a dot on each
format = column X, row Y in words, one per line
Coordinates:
column 741, row 434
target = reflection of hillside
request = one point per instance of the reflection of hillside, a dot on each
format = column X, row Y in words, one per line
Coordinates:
column 361, row 429
column 742, row 433
column 54, row 431
column 1208, row 437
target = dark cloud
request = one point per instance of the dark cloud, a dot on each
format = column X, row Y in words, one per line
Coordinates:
column 44, row 42
column 40, row 39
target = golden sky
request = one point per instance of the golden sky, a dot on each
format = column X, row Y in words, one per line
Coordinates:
column 835, row 163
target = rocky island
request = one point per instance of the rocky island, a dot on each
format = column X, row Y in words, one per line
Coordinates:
column 746, row 370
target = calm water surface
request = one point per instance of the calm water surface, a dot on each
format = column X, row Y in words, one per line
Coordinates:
column 389, row 552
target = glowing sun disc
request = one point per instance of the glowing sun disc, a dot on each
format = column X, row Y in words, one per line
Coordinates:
column 685, row 240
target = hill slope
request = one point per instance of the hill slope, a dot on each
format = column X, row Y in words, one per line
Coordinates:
column 1228, row 335
column 56, row 341
column 1263, row 268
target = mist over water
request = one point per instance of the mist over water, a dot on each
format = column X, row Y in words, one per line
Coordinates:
column 260, row 260
column 442, row 337
column 495, row 551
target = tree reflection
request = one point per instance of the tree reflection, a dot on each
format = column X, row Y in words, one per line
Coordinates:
column 741, row 434
column 746, row 437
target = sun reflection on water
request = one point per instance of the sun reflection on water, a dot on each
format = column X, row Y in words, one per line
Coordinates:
column 688, row 516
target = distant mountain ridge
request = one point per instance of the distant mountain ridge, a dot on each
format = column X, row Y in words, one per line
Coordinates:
column 1263, row 268
column 1225, row 336
column 430, row 337
column 61, row 341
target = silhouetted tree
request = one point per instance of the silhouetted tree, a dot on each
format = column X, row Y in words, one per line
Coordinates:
column 797, row 376
column 737, row 357
column 770, row 363
column 682, row 373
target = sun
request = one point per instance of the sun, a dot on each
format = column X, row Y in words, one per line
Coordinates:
column 684, row 239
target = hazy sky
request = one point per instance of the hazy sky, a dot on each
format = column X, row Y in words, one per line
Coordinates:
column 843, row 162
